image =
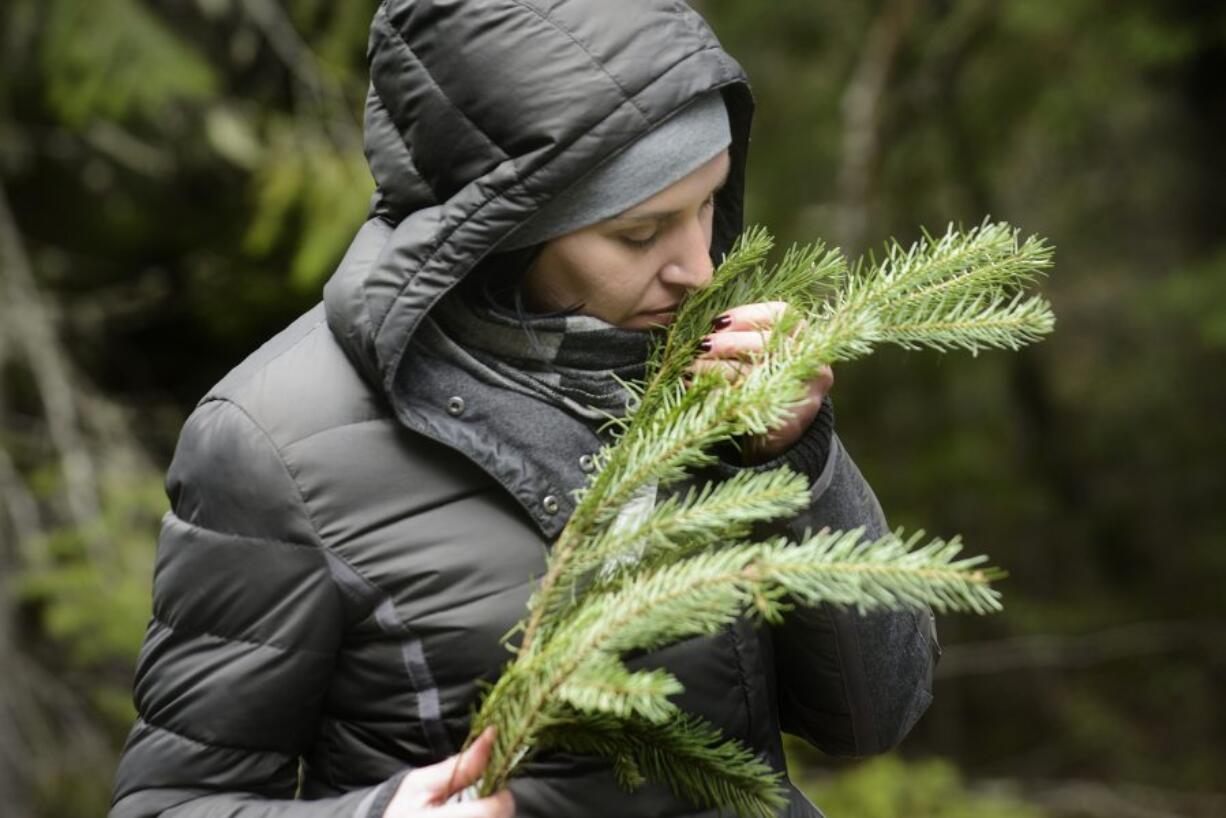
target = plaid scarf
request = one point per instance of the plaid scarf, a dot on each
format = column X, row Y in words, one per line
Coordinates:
column 567, row 360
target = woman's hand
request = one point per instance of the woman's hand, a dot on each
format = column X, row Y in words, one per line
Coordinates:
column 422, row 792
column 735, row 340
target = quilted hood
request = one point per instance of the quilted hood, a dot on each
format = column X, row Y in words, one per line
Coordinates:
column 481, row 111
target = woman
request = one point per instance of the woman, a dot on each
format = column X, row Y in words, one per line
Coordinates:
column 359, row 508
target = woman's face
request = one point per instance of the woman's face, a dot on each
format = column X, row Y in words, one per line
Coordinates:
column 631, row 270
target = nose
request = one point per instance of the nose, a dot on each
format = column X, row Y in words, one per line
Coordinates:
column 688, row 263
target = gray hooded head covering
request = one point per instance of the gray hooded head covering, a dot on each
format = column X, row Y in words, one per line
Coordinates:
column 661, row 157
column 480, row 114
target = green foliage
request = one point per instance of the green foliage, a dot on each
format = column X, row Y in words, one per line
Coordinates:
column 311, row 194
column 681, row 525
column 114, row 60
column 687, row 754
column 625, row 577
column 889, row 787
column 92, row 590
column 604, row 685
column 1194, row 297
column 85, row 595
column 959, row 291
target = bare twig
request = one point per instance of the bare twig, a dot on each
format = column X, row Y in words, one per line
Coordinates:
column 19, row 508
column 14, row 761
column 47, row 729
column 29, row 329
column 126, row 149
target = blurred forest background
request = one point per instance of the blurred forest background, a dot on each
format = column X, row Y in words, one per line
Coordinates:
column 179, row 177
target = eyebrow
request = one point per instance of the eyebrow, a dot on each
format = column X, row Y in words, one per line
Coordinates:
column 665, row 214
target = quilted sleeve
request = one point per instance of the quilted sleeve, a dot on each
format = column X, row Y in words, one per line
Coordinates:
column 238, row 653
column 851, row 684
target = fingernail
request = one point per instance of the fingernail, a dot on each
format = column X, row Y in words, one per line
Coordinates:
column 704, row 345
column 722, row 321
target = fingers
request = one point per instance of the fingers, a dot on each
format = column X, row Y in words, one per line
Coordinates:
column 471, row 763
column 732, row 371
column 824, row 382
column 751, row 316
column 499, row 805
column 438, row 781
column 732, row 344
column 739, row 337
column 729, row 353
column 742, row 331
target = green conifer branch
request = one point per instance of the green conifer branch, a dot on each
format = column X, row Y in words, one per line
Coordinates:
column 705, row 593
column 603, row 685
column 972, row 324
column 713, row 512
column 983, row 259
column 689, row 755
column 699, row 417
column 624, row 576
column 722, row 512
column 701, row 594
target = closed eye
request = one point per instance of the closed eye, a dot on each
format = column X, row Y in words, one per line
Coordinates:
column 647, row 241
column 641, row 238
column 641, row 243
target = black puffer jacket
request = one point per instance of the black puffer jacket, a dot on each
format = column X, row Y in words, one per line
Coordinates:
column 353, row 528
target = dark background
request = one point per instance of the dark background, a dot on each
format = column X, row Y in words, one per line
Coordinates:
column 178, row 178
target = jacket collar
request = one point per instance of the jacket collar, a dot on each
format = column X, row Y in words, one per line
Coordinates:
column 540, row 453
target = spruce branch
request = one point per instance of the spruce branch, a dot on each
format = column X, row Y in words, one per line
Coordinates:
column 604, row 685
column 974, row 323
column 689, row 755
column 961, row 290
column 700, row 595
column 703, row 594
column 714, row 512
column 630, row 574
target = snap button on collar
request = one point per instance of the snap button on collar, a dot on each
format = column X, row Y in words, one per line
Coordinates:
column 550, row 504
column 587, row 462
column 455, row 405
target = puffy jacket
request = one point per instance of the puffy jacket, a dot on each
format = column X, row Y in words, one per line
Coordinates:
column 355, row 525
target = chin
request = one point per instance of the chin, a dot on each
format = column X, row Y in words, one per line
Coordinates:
column 658, row 321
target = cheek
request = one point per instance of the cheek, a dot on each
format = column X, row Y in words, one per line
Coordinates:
column 616, row 288
column 612, row 273
column 607, row 277
column 589, row 274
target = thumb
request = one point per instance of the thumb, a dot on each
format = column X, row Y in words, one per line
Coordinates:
column 450, row 776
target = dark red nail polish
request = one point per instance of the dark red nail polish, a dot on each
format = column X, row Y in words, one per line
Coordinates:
column 721, row 322
column 704, row 345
